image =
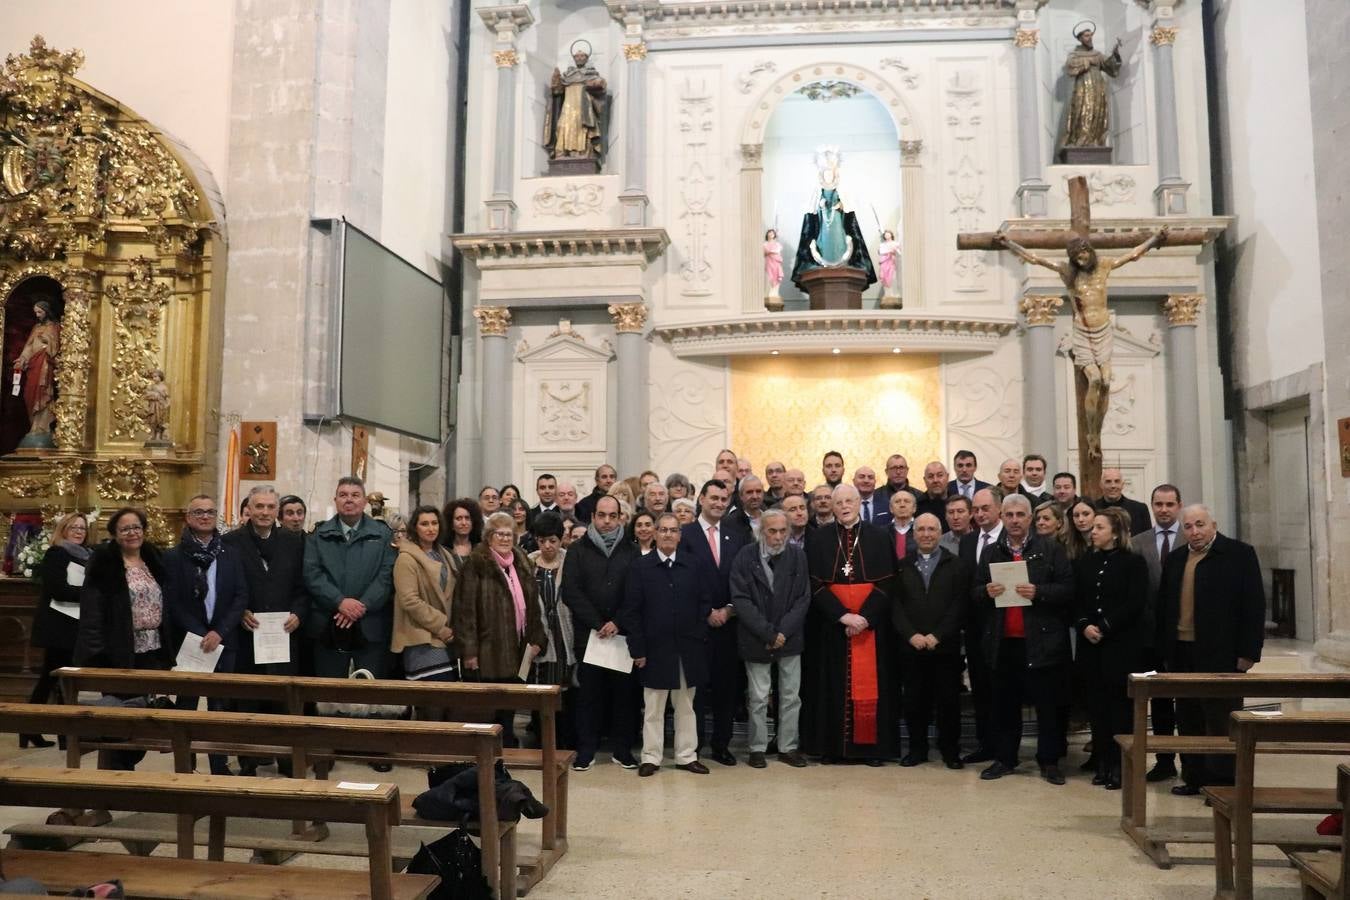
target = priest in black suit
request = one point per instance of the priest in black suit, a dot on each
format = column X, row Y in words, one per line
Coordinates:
column 712, row 541
column 850, row 705
column 1113, row 494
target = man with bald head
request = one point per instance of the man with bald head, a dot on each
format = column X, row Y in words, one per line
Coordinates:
column 897, row 478
column 1009, row 478
column 1211, row 618
column 932, row 595
column 1113, row 494
column 773, row 483
column 794, row 482
column 849, row 706
column 870, row 503
column 933, row 500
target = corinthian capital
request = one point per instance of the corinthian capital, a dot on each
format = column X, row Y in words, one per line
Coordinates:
column 505, row 59
column 628, row 317
column 1040, row 309
column 1183, row 309
column 493, row 320
column 1026, row 38
column 1162, row 36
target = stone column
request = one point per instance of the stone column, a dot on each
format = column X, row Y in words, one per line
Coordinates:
column 1041, row 432
column 912, row 228
column 1170, row 194
column 1183, row 394
column 495, row 410
column 1032, row 192
column 756, row 287
column 507, row 22
column 630, row 352
column 633, row 200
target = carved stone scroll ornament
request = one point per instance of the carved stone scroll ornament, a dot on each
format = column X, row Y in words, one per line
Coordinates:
column 138, row 308
column 564, row 411
column 569, row 200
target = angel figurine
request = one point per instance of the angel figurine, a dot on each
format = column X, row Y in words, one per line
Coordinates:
column 890, row 261
column 773, row 261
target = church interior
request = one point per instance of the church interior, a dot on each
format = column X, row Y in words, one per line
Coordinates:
column 436, row 250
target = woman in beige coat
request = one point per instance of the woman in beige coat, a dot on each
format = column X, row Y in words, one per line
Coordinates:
column 424, row 584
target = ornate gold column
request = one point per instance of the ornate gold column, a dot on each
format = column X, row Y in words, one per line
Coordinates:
column 1183, row 394
column 630, row 356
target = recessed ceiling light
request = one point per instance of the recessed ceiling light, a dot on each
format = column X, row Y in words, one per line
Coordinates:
column 835, row 351
column 895, row 349
column 773, row 352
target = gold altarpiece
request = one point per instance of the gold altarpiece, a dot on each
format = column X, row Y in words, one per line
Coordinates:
column 95, row 199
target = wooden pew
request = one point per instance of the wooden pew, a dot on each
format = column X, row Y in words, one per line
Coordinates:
column 1139, row 744
column 1234, row 806
column 303, row 737
column 460, row 697
column 1324, row 874
column 215, row 797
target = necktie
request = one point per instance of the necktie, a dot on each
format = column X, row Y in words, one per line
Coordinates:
column 712, row 544
column 984, row 542
column 966, row 491
column 867, row 510
column 670, row 563
column 1166, row 546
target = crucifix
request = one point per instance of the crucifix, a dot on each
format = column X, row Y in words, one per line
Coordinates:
column 1085, row 276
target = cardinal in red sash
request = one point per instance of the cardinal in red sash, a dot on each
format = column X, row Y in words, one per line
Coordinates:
column 850, row 687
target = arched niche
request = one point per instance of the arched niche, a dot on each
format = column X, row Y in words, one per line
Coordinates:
column 34, row 384
column 126, row 222
column 752, row 135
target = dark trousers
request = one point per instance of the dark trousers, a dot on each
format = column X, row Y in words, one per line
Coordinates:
column 605, row 695
column 52, row 658
column 1110, row 714
column 981, row 690
column 932, row 690
column 1163, row 711
column 1202, row 718
column 1014, row 686
column 219, row 761
column 723, row 693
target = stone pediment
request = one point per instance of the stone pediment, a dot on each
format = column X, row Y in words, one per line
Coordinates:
column 564, row 344
column 869, row 331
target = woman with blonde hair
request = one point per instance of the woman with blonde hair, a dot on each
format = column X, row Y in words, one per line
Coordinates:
column 56, row 621
column 624, row 492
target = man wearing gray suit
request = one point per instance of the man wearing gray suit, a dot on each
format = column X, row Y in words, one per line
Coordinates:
column 1154, row 545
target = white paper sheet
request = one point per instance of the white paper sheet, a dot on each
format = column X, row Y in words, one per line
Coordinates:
column 355, row 785
column 1010, row 575
column 523, row 673
column 67, row 609
column 608, row 653
column 191, row 657
column 74, row 574
column 271, row 643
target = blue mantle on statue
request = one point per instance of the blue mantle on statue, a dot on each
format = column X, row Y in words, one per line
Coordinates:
column 831, row 242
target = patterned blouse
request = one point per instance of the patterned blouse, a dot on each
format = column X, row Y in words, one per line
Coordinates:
column 147, row 609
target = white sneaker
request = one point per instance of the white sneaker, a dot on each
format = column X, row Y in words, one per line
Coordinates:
column 578, row 767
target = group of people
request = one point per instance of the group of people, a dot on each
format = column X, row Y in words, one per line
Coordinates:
column 848, row 608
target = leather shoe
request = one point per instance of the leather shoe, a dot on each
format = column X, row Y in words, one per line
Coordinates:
column 696, row 767
column 1052, row 774
column 913, row 759
column 382, row 767
column 977, row 756
column 756, row 760
column 1113, row 780
column 1099, row 778
column 626, row 762
column 793, row 758
column 875, row 763
column 647, row 770
column 724, row 757
column 953, row 762
column 995, row 770
column 1161, row 772
column 1186, row 790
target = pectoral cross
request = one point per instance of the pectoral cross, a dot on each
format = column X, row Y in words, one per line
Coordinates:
column 1085, row 276
column 848, row 568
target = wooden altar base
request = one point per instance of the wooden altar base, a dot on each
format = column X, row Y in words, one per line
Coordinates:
column 837, row 288
column 1085, row 156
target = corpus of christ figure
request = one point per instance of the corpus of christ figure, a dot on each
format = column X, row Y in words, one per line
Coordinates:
column 1085, row 274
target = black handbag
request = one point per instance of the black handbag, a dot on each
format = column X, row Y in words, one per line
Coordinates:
column 458, row 862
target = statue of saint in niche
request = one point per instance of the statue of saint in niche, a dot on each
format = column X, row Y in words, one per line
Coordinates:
column 831, row 238
column 157, row 410
column 574, row 128
column 1087, row 119
column 35, row 375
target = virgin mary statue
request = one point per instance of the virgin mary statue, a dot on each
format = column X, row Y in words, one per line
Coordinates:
column 831, row 238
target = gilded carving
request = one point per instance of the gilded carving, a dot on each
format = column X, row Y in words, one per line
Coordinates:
column 23, row 487
column 124, row 479
column 505, row 59
column 1040, row 309
column 1163, row 36
column 636, row 51
column 77, row 354
column 1026, row 38
column 493, row 320
column 628, row 317
column 1183, row 309
column 138, row 308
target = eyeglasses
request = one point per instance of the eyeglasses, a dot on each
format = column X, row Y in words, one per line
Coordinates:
column 130, row 529
column 504, row 534
column 667, row 531
column 202, row 513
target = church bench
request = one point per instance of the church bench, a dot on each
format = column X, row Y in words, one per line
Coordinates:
column 1136, row 746
column 295, row 692
column 303, row 738
column 217, row 798
column 1234, row 806
column 1325, row 875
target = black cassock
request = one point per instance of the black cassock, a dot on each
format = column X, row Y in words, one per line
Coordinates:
column 850, row 696
column 860, row 259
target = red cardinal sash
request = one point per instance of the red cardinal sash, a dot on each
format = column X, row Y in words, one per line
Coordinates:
column 862, row 669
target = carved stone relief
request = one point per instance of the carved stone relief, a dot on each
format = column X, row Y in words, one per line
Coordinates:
column 963, row 99
column 984, row 411
column 697, row 185
column 908, row 77
column 565, row 398
column 745, row 82
column 1106, row 190
column 564, row 411
column 687, row 423
column 569, row 200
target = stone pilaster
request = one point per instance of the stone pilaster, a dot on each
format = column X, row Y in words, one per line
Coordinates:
column 506, row 22
column 1183, row 394
column 1032, row 192
column 493, row 322
column 1170, row 194
column 911, row 235
column 1040, row 429
column 633, row 200
column 630, row 355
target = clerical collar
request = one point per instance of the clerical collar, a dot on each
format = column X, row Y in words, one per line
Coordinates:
column 927, row 556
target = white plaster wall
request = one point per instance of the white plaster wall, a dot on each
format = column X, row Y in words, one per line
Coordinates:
column 168, row 62
column 1268, row 125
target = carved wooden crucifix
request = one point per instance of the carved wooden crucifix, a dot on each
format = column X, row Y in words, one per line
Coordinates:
column 1085, row 276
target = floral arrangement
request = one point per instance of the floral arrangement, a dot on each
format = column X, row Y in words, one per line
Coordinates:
column 30, row 557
